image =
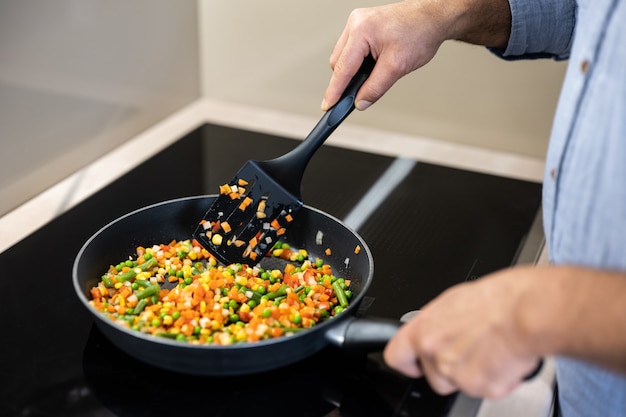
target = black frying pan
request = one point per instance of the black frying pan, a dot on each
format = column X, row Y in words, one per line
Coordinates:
column 177, row 219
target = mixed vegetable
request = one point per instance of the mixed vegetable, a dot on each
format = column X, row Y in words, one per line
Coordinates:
column 179, row 290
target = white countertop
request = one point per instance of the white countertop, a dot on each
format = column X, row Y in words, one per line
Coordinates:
column 531, row 399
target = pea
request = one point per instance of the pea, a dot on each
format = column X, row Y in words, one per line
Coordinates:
column 134, row 286
column 234, row 318
column 147, row 256
column 300, row 257
column 180, row 273
column 188, row 280
column 251, row 303
column 319, row 263
column 128, row 263
column 176, row 315
column 348, row 294
column 181, row 337
column 196, row 330
column 266, row 313
column 155, row 322
column 297, row 319
column 265, row 275
column 233, row 304
column 262, row 290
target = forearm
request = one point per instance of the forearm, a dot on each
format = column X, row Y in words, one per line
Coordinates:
column 577, row 312
column 480, row 22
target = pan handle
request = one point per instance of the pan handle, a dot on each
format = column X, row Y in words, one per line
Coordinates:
column 362, row 334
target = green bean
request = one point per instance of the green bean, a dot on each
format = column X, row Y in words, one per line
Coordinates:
column 341, row 295
column 253, row 295
column 142, row 283
column 149, row 264
column 149, row 291
column 140, row 306
column 166, row 335
column 126, row 276
column 278, row 293
column 107, row 281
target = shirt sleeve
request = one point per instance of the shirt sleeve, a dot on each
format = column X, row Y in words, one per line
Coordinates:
column 540, row 29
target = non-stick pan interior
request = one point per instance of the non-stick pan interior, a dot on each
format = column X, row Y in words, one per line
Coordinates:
column 176, row 219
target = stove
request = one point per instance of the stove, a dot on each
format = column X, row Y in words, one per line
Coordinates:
column 429, row 227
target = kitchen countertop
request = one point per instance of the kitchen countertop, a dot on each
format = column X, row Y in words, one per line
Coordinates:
column 533, row 398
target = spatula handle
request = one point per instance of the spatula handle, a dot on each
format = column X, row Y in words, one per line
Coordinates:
column 336, row 114
column 293, row 163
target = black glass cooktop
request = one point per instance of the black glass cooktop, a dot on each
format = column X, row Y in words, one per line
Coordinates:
column 438, row 227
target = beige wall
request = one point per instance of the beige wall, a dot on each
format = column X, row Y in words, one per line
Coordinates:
column 275, row 54
column 77, row 78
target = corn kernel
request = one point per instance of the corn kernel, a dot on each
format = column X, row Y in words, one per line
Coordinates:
column 118, row 285
column 168, row 320
column 202, row 307
column 277, row 252
column 276, row 273
column 216, row 239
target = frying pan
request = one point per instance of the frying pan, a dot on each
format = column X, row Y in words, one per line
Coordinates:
column 176, row 219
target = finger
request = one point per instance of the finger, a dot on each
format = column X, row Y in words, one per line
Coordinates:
column 338, row 48
column 439, row 381
column 345, row 66
column 400, row 355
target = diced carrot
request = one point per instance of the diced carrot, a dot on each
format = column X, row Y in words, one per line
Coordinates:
column 225, row 189
column 95, row 293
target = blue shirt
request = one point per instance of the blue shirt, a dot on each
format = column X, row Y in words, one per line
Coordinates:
column 584, row 189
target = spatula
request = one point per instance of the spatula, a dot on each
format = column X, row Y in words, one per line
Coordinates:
column 255, row 208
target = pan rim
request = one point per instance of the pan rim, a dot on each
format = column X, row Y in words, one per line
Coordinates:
column 102, row 320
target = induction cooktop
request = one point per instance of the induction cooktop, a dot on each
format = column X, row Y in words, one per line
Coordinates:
column 429, row 227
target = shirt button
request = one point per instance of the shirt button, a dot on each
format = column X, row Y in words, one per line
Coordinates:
column 584, row 66
column 553, row 173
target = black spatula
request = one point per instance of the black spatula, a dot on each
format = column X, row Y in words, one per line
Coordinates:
column 253, row 210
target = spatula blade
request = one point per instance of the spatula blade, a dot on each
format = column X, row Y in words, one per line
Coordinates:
column 248, row 217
